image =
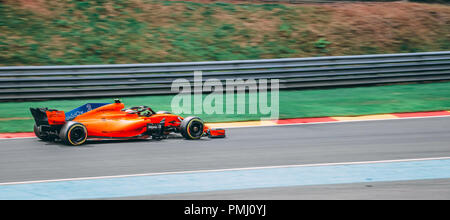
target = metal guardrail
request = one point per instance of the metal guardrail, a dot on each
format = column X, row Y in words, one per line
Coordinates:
column 119, row 80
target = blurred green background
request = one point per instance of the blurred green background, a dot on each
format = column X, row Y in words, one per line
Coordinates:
column 55, row 32
column 66, row 32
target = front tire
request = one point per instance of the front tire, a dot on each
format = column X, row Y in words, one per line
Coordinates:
column 192, row 128
column 73, row 133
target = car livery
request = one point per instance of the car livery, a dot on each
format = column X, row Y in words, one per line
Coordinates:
column 113, row 121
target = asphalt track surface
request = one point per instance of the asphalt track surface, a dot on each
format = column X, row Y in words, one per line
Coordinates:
column 30, row 159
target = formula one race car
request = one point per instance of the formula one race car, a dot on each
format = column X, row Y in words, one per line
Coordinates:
column 112, row 121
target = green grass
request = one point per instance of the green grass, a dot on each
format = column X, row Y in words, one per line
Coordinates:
column 60, row 32
column 307, row 103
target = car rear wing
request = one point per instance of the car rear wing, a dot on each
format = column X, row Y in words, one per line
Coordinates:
column 45, row 116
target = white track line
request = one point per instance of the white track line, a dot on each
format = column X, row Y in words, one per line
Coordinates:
column 224, row 170
column 331, row 122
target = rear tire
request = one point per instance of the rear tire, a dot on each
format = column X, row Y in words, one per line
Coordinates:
column 73, row 133
column 192, row 128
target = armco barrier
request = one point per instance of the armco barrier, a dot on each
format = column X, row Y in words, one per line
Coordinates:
column 119, row 80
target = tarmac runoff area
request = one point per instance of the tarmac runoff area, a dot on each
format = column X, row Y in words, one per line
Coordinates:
column 408, row 158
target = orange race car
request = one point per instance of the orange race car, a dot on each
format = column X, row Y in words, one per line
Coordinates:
column 113, row 121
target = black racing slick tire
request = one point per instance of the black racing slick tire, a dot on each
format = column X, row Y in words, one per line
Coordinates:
column 192, row 128
column 40, row 135
column 73, row 133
